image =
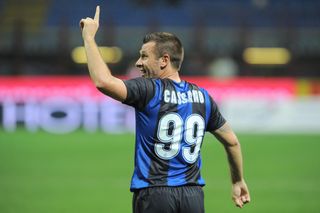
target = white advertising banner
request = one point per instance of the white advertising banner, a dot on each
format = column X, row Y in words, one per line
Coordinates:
column 65, row 104
column 297, row 115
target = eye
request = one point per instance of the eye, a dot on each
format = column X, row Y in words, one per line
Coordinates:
column 143, row 56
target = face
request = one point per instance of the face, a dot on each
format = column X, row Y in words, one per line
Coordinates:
column 148, row 63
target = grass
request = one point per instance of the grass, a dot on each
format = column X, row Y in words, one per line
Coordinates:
column 81, row 172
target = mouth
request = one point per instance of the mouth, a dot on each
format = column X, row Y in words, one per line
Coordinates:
column 143, row 72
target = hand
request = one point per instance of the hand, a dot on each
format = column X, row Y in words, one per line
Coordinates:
column 90, row 26
column 240, row 194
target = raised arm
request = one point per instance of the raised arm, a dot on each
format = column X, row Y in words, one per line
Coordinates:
column 99, row 71
column 240, row 192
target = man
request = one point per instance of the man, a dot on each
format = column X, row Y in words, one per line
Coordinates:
column 171, row 118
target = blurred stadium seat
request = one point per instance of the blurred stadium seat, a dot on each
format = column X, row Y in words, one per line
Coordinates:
column 35, row 33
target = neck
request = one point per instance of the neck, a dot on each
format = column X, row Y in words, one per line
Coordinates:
column 173, row 75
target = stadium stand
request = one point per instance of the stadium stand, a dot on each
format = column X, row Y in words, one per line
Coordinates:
column 227, row 13
column 210, row 28
column 32, row 13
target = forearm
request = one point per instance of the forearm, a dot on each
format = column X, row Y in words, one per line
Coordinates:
column 232, row 146
column 240, row 192
column 235, row 161
column 98, row 70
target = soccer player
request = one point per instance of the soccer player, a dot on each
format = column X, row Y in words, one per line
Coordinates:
column 172, row 117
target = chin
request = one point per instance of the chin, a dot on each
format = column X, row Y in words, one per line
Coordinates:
column 144, row 75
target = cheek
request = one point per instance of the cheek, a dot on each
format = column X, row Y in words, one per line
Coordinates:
column 146, row 63
column 154, row 64
column 149, row 64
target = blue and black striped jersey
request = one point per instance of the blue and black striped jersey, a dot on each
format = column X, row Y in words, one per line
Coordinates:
column 171, row 120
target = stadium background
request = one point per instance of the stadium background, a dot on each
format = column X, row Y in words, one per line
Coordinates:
column 66, row 148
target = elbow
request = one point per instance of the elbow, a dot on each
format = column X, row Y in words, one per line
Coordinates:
column 102, row 90
column 233, row 144
column 234, row 140
column 227, row 140
column 99, row 83
column 104, row 86
column 102, row 83
column 101, row 86
column 232, row 147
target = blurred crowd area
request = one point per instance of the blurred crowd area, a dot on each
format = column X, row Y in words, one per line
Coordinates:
column 38, row 36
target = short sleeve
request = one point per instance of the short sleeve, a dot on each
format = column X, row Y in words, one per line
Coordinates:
column 139, row 92
column 216, row 120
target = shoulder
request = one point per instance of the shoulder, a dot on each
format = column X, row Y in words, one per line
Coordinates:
column 140, row 91
column 203, row 91
column 140, row 84
column 138, row 81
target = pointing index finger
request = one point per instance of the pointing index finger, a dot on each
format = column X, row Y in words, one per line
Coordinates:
column 97, row 15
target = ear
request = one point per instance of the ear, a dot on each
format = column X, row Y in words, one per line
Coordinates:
column 164, row 61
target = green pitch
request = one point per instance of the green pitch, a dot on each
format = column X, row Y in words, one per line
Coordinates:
column 83, row 172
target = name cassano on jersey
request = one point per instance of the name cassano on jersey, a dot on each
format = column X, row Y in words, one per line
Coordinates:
column 192, row 96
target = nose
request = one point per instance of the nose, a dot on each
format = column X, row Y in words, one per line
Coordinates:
column 138, row 63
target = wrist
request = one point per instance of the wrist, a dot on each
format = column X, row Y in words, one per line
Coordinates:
column 239, row 182
column 88, row 39
column 236, row 176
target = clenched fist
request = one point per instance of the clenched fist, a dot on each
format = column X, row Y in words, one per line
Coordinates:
column 90, row 26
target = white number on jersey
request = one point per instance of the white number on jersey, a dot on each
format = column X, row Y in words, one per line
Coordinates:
column 170, row 133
